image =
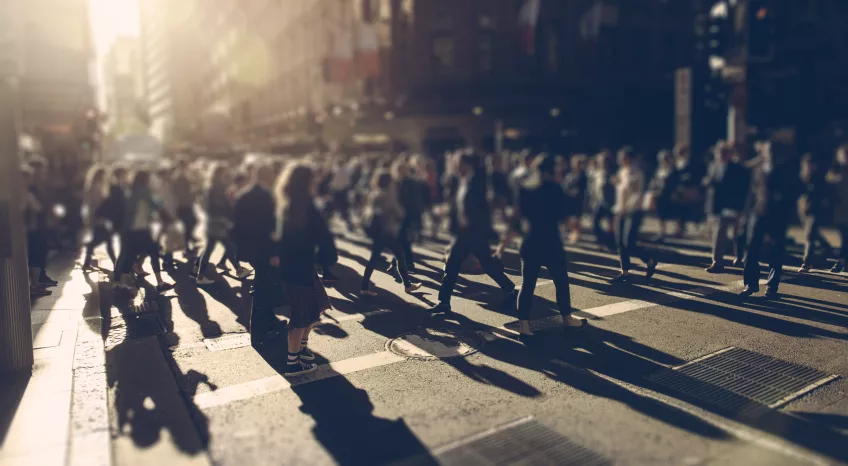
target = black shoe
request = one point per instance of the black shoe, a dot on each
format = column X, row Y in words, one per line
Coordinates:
column 510, row 300
column 771, row 294
column 528, row 340
column 441, row 308
column 652, row 268
column 715, row 268
column 45, row 280
column 748, row 291
column 306, row 354
column 837, row 268
column 299, row 367
column 568, row 329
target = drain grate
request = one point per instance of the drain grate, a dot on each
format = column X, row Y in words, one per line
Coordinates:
column 741, row 381
column 133, row 326
column 523, row 441
column 228, row 342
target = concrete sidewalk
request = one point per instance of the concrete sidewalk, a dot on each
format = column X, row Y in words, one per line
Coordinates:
column 57, row 415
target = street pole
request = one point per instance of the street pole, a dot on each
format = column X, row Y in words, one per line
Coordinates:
column 16, row 352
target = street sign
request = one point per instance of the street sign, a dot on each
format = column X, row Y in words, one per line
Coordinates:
column 683, row 107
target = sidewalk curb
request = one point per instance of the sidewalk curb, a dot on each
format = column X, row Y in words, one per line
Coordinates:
column 90, row 442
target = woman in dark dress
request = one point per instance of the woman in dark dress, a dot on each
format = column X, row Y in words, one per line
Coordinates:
column 303, row 240
column 541, row 205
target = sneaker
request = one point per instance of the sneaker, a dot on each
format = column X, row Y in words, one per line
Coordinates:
column 243, row 273
column 804, row 268
column 39, row 291
column 299, row 367
column 837, row 268
column 201, row 280
column 413, row 287
column 306, row 354
column 748, row 291
column 771, row 294
column 715, row 268
column 368, row 293
column 164, row 287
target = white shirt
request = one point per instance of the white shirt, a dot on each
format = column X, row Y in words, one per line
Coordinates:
column 629, row 191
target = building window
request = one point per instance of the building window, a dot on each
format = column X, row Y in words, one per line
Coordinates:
column 442, row 51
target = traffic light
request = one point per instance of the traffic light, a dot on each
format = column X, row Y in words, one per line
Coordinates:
column 761, row 30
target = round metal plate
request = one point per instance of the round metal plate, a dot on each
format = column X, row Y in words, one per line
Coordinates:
column 430, row 344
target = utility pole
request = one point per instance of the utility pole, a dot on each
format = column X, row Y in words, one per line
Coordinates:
column 16, row 352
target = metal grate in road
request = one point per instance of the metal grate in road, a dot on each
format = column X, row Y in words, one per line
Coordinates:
column 228, row 342
column 133, row 326
column 741, row 381
column 520, row 442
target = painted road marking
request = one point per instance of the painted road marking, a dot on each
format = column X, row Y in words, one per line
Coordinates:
column 276, row 383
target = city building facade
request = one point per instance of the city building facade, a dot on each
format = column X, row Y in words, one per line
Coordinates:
column 122, row 86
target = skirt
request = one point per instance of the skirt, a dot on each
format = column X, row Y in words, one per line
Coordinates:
column 307, row 302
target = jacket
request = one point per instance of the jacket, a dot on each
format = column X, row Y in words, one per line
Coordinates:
column 302, row 246
column 727, row 189
column 774, row 190
column 254, row 223
column 470, row 213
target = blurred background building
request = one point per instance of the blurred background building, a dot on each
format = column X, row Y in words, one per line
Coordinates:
column 122, row 86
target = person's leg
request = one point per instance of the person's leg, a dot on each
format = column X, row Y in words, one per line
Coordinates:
column 261, row 316
column 211, row 241
column 557, row 264
column 633, row 239
column 376, row 249
column 230, row 251
column 751, row 274
column 530, row 268
column 719, row 233
column 810, row 231
column 622, row 233
column 152, row 251
column 400, row 261
column 597, row 227
column 777, row 231
column 406, row 248
column 459, row 250
column 491, row 266
column 110, row 248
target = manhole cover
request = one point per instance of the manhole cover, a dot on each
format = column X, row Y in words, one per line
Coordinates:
column 741, row 381
column 228, row 342
column 523, row 441
column 430, row 344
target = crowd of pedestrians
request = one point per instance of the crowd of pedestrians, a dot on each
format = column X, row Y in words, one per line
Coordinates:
column 275, row 214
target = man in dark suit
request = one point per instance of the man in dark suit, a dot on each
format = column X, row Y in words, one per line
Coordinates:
column 774, row 190
column 253, row 225
column 471, row 222
column 727, row 189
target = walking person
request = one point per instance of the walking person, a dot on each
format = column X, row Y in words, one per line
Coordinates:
column 34, row 215
column 812, row 210
column 253, row 226
column 184, row 197
column 774, row 189
column 384, row 221
column 542, row 204
column 472, row 225
column 302, row 239
column 409, row 194
column 629, row 195
column 602, row 200
column 727, row 187
column 838, row 179
column 137, row 239
column 94, row 200
column 219, row 214
column 660, row 190
column 576, row 183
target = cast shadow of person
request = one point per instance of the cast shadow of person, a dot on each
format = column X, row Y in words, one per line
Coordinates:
column 346, row 426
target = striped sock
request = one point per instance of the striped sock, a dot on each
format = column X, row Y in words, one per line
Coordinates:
column 304, row 342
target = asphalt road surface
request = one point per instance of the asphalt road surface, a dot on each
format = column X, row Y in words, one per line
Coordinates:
column 453, row 380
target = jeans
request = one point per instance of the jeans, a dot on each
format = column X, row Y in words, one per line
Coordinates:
column 812, row 234
column 189, row 221
column 758, row 227
column 602, row 236
column 627, row 236
column 721, row 225
column 552, row 258
column 463, row 246
column 134, row 244
column 100, row 235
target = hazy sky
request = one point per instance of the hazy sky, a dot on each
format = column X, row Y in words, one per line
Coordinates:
column 110, row 19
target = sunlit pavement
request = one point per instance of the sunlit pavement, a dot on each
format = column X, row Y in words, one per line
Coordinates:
column 174, row 400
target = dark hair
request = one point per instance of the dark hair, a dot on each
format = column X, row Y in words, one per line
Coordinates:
column 545, row 164
column 294, row 193
column 141, row 178
column 382, row 179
